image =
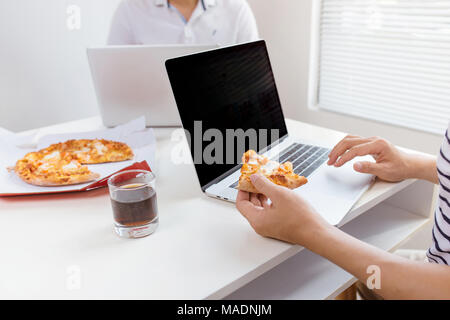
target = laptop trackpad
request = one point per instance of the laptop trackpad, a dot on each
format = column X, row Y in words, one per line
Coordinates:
column 333, row 191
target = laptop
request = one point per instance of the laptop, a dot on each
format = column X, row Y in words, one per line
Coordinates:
column 228, row 103
column 131, row 81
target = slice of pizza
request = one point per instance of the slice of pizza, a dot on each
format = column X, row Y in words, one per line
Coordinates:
column 52, row 169
column 280, row 174
column 93, row 151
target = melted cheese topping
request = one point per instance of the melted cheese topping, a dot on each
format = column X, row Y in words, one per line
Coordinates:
column 269, row 168
column 71, row 166
column 44, row 167
column 100, row 147
column 55, row 155
column 84, row 150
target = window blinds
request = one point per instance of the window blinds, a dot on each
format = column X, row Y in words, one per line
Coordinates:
column 386, row 60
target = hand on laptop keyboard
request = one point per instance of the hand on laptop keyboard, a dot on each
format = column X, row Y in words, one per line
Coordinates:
column 391, row 164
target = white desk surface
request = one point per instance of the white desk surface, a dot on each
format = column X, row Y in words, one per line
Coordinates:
column 203, row 248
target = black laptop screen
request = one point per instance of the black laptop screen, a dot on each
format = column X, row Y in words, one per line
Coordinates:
column 224, row 97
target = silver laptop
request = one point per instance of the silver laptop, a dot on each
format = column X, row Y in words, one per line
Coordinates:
column 228, row 103
column 131, row 81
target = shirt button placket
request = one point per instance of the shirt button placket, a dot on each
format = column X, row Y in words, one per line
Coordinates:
column 188, row 35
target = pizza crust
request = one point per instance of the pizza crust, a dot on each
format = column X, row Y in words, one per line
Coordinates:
column 69, row 180
column 246, row 185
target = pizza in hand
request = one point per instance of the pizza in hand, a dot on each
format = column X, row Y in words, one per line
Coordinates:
column 65, row 163
column 280, row 174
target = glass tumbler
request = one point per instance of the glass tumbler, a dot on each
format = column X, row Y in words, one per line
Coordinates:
column 133, row 201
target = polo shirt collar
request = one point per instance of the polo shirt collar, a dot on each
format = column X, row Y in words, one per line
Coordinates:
column 208, row 3
column 160, row 3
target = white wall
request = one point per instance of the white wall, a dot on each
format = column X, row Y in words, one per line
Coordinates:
column 44, row 76
column 285, row 24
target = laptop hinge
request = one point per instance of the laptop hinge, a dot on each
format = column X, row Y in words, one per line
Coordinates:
column 221, row 177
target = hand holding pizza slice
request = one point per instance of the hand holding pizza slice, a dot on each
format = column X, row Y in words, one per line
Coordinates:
column 280, row 174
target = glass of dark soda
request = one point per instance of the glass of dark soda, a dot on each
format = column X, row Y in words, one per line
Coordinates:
column 133, row 201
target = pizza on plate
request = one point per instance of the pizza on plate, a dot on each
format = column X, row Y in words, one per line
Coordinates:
column 65, row 163
column 280, row 174
column 93, row 151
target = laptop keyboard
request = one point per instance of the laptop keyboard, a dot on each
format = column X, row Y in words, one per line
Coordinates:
column 305, row 158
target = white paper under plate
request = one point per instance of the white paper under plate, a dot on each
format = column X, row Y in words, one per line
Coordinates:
column 133, row 133
column 4, row 132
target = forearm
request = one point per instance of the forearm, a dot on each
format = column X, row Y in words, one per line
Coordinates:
column 422, row 167
column 399, row 277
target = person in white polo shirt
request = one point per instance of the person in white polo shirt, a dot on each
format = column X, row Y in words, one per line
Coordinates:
column 219, row 22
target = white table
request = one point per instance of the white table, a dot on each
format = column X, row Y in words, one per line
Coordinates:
column 63, row 246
